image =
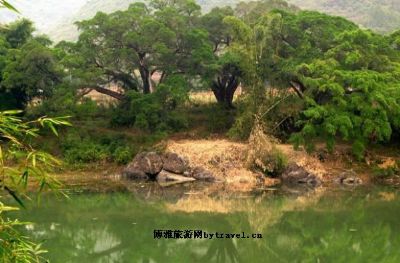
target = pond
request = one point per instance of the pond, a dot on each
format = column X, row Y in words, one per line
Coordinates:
column 327, row 225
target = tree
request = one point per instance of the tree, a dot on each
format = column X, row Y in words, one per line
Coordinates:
column 395, row 40
column 251, row 11
column 228, row 75
column 346, row 76
column 358, row 100
column 18, row 33
column 226, row 78
column 30, row 72
column 128, row 48
column 28, row 68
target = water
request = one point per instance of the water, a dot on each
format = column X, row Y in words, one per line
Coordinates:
column 333, row 225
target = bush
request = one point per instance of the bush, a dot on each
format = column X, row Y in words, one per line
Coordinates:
column 263, row 154
column 84, row 147
column 219, row 118
column 64, row 102
column 155, row 112
column 279, row 114
column 244, row 121
column 122, row 155
column 86, row 152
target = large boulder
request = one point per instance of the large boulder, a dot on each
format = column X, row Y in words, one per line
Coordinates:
column 174, row 163
column 295, row 174
column 148, row 163
column 202, row 174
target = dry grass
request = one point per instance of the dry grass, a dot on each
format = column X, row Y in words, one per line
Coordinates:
column 229, row 160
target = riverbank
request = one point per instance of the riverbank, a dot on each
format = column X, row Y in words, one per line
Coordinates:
column 226, row 159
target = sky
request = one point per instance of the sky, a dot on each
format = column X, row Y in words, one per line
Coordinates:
column 44, row 13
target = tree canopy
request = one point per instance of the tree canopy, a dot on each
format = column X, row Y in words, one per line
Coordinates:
column 130, row 47
column 347, row 77
column 28, row 68
column 343, row 79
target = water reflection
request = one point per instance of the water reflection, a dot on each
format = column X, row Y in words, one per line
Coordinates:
column 338, row 226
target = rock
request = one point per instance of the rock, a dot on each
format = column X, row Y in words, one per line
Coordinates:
column 349, row 178
column 174, row 163
column 149, row 163
column 352, row 181
column 202, row 174
column 166, row 176
column 295, row 174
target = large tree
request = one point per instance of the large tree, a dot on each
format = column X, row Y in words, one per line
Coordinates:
column 128, row 48
column 28, row 68
column 347, row 77
column 226, row 79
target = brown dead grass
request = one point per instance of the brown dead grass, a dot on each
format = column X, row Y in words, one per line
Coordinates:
column 227, row 160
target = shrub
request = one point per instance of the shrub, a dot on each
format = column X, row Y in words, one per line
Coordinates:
column 86, row 152
column 153, row 112
column 263, row 154
column 219, row 118
column 122, row 155
column 65, row 102
column 83, row 146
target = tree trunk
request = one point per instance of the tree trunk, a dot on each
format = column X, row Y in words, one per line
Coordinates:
column 224, row 90
column 145, row 75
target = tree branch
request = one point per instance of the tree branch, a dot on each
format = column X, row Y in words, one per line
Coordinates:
column 108, row 92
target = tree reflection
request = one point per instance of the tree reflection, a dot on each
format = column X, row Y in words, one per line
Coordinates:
column 119, row 227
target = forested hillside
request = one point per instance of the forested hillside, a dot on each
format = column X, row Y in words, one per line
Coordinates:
column 381, row 16
column 66, row 30
column 378, row 15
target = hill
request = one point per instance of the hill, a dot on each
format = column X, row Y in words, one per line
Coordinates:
column 56, row 18
column 379, row 15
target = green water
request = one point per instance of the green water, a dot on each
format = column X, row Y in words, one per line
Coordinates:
column 339, row 225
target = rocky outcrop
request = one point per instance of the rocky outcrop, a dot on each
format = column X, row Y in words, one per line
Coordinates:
column 148, row 163
column 166, row 168
column 174, row 163
column 295, row 174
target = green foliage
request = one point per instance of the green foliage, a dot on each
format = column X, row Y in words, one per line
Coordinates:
column 347, row 77
column 18, row 33
column 6, row 4
column 13, row 246
column 28, row 69
column 93, row 144
column 354, row 97
column 244, row 121
column 219, row 118
column 20, row 163
column 155, row 112
column 165, row 39
column 386, row 172
column 65, row 101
